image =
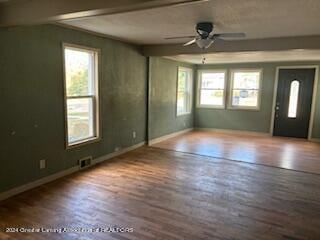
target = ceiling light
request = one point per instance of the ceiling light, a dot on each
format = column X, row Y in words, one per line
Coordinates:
column 204, row 43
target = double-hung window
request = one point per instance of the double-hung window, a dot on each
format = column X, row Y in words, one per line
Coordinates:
column 245, row 89
column 184, row 91
column 81, row 94
column 212, row 86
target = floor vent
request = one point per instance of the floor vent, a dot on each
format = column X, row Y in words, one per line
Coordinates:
column 85, row 162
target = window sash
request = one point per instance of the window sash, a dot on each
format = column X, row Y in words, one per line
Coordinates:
column 93, row 104
column 92, row 114
column 215, row 105
column 258, row 90
column 187, row 93
column 248, row 89
column 185, row 107
column 183, row 95
column 83, row 96
column 212, row 89
column 201, row 88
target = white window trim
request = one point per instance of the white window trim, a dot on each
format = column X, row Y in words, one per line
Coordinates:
column 256, row 108
column 190, row 70
column 96, row 97
column 223, row 106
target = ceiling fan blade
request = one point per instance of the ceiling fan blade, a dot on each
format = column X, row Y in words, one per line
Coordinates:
column 230, row 35
column 180, row 37
column 190, row 42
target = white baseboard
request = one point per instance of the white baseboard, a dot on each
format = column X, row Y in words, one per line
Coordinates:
column 218, row 130
column 171, row 135
column 50, row 178
column 34, row 184
column 115, row 154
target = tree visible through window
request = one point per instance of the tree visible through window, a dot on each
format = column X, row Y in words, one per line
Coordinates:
column 77, row 82
column 81, row 94
column 184, row 91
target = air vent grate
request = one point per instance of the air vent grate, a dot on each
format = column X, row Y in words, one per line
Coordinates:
column 85, row 162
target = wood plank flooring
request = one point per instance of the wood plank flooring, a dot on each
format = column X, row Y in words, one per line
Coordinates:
column 289, row 153
column 172, row 195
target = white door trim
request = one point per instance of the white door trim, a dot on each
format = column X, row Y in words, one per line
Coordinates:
column 314, row 96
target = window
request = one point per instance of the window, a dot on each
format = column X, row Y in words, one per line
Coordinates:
column 293, row 99
column 245, row 89
column 212, row 89
column 184, row 91
column 81, row 94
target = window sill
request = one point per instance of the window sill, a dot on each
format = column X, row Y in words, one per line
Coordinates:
column 212, row 107
column 183, row 114
column 83, row 142
column 244, row 108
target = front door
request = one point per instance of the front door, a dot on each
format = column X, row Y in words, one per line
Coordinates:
column 293, row 105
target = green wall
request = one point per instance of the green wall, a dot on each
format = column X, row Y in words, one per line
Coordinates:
column 162, row 109
column 32, row 108
column 248, row 120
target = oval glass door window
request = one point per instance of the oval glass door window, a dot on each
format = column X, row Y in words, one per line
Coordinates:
column 293, row 99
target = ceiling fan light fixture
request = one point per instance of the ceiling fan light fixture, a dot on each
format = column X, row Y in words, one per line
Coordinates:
column 206, row 36
column 204, row 43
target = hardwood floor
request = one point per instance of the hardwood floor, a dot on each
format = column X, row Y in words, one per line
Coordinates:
column 172, row 195
column 288, row 153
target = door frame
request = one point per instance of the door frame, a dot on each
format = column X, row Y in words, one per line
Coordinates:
column 314, row 95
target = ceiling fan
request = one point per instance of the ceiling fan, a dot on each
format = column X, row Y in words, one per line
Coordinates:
column 206, row 37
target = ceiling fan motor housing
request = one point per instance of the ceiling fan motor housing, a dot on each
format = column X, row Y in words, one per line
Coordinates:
column 204, row 29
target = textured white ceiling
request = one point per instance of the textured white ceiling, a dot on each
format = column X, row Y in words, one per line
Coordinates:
column 247, row 57
column 257, row 18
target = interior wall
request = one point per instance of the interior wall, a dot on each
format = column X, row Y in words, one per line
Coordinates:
column 163, row 87
column 251, row 120
column 31, row 93
column 32, row 107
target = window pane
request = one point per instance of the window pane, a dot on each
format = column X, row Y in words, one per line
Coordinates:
column 182, row 84
column 212, row 80
column 184, row 91
column 212, row 97
column 79, row 72
column 181, row 98
column 246, row 98
column 181, row 102
column 80, row 119
column 293, row 99
column 246, row 80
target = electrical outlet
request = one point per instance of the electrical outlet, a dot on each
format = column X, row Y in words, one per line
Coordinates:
column 42, row 163
column 134, row 134
column 184, row 124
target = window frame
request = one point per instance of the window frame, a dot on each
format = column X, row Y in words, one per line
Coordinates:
column 95, row 98
column 212, row 106
column 190, row 90
column 232, row 73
